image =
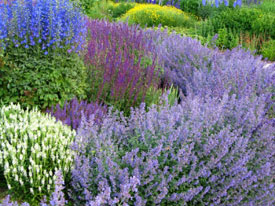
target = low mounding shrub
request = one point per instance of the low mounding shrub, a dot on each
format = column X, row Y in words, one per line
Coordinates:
column 40, row 40
column 33, row 147
column 153, row 15
column 119, row 9
column 73, row 112
column 122, row 68
column 207, row 151
column 237, row 72
column 195, row 69
column 180, row 57
column 244, row 19
column 32, row 79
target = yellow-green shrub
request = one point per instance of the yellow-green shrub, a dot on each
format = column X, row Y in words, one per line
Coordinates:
column 153, row 15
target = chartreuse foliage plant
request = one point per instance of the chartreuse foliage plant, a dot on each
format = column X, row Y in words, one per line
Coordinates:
column 34, row 146
column 40, row 42
column 153, row 15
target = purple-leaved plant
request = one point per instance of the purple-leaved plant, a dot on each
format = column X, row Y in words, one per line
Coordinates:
column 206, row 151
column 73, row 111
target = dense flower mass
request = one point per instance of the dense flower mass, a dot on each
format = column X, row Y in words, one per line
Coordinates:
column 205, row 151
column 150, row 15
column 73, row 112
column 31, row 151
column 148, row 118
column 198, row 70
column 50, row 23
column 122, row 67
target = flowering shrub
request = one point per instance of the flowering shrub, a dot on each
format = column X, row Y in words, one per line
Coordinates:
column 150, row 15
column 33, row 147
column 40, row 40
column 205, row 151
column 236, row 71
column 180, row 57
column 121, row 66
column 205, row 72
column 73, row 112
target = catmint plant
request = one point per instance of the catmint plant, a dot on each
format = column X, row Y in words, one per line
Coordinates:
column 73, row 111
column 216, row 151
column 198, row 70
column 33, row 146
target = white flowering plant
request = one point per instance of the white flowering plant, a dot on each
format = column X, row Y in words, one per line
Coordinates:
column 33, row 147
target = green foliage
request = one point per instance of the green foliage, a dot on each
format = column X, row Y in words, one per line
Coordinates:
column 100, row 10
column 155, row 96
column 227, row 39
column 247, row 26
column 195, row 7
column 119, row 9
column 244, row 19
column 32, row 79
column 268, row 50
column 153, row 15
column 85, row 4
column 266, row 6
column 265, row 25
column 31, row 152
column 191, row 6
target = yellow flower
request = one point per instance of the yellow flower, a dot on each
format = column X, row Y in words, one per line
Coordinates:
column 156, row 14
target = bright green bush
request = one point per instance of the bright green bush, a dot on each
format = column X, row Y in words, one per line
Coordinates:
column 100, row 10
column 33, row 146
column 34, row 79
column 153, row 15
column 195, row 7
column 227, row 39
column 264, row 24
column 117, row 10
column 268, row 50
column 86, row 5
column 244, row 19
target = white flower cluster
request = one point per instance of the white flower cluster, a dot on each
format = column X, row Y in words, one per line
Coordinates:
column 33, row 147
